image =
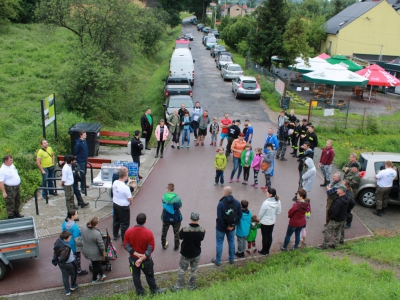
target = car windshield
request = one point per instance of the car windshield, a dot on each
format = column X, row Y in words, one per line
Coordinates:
column 177, row 81
column 249, row 84
column 188, row 33
column 175, row 103
column 211, row 40
column 225, row 58
column 221, row 48
column 235, row 68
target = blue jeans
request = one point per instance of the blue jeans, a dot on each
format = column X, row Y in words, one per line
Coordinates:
column 230, row 235
column 289, row 232
column 82, row 166
column 49, row 174
column 219, row 175
column 185, row 134
column 236, row 165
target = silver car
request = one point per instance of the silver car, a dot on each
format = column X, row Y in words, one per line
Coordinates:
column 246, row 87
column 231, row 71
column 223, row 60
column 370, row 165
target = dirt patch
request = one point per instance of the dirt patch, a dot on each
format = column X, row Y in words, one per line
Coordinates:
column 386, row 232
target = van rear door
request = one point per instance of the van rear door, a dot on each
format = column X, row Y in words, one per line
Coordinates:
column 182, row 65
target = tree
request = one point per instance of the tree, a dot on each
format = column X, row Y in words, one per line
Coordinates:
column 316, row 32
column 266, row 39
column 338, row 6
column 27, row 11
column 8, row 11
column 310, row 8
column 238, row 31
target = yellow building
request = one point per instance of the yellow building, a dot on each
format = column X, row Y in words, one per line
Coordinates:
column 235, row 10
column 371, row 28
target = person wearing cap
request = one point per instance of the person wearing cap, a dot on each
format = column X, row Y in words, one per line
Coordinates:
column 352, row 159
column 325, row 162
column 384, row 185
column 191, row 237
column 337, row 218
column 225, row 124
column 295, row 137
column 237, row 148
column 353, row 176
column 233, row 134
column 283, row 135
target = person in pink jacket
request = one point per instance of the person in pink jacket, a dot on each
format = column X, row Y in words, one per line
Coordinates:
column 256, row 165
column 161, row 136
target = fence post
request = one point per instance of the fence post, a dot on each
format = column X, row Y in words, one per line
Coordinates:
column 362, row 125
column 309, row 110
column 347, row 113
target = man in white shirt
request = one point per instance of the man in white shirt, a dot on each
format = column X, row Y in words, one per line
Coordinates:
column 67, row 182
column 9, row 185
column 384, row 185
column 122, row 199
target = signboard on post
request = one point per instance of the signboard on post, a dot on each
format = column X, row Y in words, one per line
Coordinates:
column 280, row 86
column 48, row 105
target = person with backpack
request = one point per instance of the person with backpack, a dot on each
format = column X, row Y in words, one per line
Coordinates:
column 229, row 213
column 65, row 259
column 171, row 216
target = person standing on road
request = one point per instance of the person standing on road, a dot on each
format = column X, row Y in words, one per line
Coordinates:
column 191, row 237
column 81, row 153
column 202, row 122
column 185, row 123
column 225, row 124
column 309, row 176
column 171, row 216
column 352, row 159
column 249, row 132
column 229, row 213
column 281, row 119
column 243, row 228
column 273, row 140
column 139, row 242
column 295, row 138
column 245, row 160
column 197, row 112
column 45, row 163
column 10, row 187
column 78, row 177
column 384, row 185
column 214, row 130
column 337, row 218
column 238, row 146
column 161, row 136
column 220, row 165
column 351, row 204
column 311, row 136
column 122, row 199
column 146, row 122
column 136, row 149
column 70, row 225
column 67, row 182
column 302, row 135
column 353, row 177
column 268, row 158
column 283, row 140
column 325, row 162
column 332, row 195
column 93, row 248
column 175, row 127
column 256, row 165
column 270, row 208
column 233, row 134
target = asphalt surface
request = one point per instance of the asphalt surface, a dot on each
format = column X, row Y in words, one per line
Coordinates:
column 192, row 172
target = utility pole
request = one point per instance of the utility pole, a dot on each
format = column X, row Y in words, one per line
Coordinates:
column 380, row 53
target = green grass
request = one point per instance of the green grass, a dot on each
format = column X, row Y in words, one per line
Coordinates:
column 184, row 14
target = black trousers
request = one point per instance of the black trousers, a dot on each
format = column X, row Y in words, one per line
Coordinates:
column 147, row 267
column 246, row 173
column 147, row 136
column 97, row 270
column 121, row 219
column 266, row 232
column 160, row 143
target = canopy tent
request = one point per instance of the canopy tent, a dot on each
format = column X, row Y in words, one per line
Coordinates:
column 323, row 56
column 344, row 62
column 378, row 76
column 314, row 64
column 335, row 75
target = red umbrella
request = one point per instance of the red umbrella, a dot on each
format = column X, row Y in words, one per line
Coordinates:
column 378, row 76
column 323, row 56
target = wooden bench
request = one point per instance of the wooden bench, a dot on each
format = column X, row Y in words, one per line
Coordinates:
column 114, row 142
column 94, row 163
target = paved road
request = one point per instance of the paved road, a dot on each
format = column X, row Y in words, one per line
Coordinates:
column 193, row 174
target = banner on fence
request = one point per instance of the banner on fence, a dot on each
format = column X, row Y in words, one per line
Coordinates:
column 279, row 86
column 329, row 112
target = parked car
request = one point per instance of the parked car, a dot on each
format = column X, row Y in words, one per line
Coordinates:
column 189, row 36
column 193, row 21
column 200, row 27
column 182, row 63
column 231, row 71
column 216, row 34
column 222, row 60
column 177, row 85
column 370, row 165
column 211, row 41
column 175, row 102
column 246, row 87
column 205, row 37
column 219, row 53
column 206, row 29
column 216, row 49
column 174, row 79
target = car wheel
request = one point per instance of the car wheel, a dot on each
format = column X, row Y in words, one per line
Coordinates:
column 367, row 198
column 3, row 270
column 232, row 89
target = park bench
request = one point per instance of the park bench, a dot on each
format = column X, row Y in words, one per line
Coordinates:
column 114, row 134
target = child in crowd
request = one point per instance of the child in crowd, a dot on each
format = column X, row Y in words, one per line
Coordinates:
column 268, row 158
column 303, row 232
column 243, row 228
column 251, row 239
column 246, row 160
column 219, row 164
column 161, row 136
column 214, row 130
column 256, row 164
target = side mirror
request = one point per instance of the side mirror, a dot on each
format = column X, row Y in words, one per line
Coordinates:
column 165, row 105
column 194, row 61
column 190, row 48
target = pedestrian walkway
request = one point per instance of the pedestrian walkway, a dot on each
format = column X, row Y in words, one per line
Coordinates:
column 52, row 215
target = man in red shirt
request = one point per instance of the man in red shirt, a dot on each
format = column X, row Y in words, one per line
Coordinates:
column 139, row 242
column 225, row 124
column 325, row 162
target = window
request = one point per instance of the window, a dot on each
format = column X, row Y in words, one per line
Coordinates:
column 249, row 84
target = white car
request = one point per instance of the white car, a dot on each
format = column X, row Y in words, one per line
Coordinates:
column 231, row 71
column 223, row 60
column 246, row 87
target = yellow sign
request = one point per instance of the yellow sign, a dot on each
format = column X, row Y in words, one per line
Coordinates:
column 48, row 110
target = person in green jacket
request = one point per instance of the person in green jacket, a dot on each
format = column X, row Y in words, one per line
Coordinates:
column 245, row 161
column 251, row 238
column 171, row 216
column 219, row 164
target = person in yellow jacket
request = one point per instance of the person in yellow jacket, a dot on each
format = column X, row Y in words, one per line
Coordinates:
column 220, row 165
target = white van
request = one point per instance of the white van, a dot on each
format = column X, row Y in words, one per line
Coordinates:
column 182, row 63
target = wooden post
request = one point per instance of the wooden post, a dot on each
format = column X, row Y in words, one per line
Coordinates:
column 362, row 125
column 309, row 110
